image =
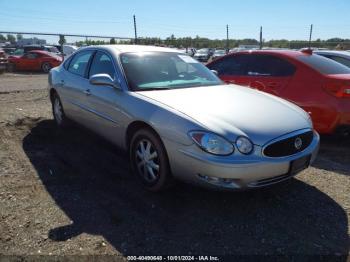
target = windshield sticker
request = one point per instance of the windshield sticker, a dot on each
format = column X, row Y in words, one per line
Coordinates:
column 187, row 59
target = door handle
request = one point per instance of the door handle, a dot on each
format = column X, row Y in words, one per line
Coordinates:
column 230, row 81
column 87, row 92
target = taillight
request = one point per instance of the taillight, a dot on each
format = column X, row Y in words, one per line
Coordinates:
column 339, row 89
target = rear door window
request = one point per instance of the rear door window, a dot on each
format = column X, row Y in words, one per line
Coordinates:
column 269, row 65
column 324, row 65
column 79, row 63
column 31, row 55
column 66, row 62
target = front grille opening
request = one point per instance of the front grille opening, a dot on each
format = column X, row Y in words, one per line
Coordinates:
column 287, row 147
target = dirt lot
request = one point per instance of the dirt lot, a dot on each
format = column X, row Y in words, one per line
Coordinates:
column 72, row 193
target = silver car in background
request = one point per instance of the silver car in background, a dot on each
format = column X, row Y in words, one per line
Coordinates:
column 177, row 120
column 342, row 57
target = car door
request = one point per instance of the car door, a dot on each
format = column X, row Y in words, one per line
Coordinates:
column 107, row 117
column 28, row 61
column 269, row 73
column 74, row 82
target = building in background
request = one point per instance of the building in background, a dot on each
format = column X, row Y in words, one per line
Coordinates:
column 31, row 41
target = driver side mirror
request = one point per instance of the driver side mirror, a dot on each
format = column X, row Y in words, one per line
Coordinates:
column 103, row 80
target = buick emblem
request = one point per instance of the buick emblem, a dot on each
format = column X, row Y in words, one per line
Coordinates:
column 298, row 143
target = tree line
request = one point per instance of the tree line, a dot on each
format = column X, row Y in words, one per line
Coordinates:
column 10, row 38
column 201, row 42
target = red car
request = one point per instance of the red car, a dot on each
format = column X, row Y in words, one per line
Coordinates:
column 317, row 84
column 35, row 60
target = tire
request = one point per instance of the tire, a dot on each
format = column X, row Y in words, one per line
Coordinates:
column 58, row 112
column 149, row 161
column 11, row 67
column 46, row 67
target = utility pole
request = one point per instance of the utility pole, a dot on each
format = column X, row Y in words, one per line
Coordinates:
column 261, row 39
column 135, row 29
column 227, row 41
column 310, row 36
column 61, row 42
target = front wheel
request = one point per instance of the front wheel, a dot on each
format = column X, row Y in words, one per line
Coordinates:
column 46, row 67
column 149, row 160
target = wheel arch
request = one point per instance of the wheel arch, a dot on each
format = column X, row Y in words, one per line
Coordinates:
column 134, row 127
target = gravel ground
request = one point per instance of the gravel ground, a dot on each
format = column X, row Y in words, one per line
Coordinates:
column 11, row 82
column 71, row 193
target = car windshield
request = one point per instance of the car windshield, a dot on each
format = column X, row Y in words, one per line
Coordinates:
column 324, row 65
column 18, row 52
column 220, row 52
column 203, row 51
column 53, row 49
column 161, row 70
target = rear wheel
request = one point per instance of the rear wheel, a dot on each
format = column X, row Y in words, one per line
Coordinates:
column 149, row 160
column 46, row 67
column 58, row 113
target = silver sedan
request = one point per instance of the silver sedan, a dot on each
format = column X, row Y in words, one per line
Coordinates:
column 177, row 120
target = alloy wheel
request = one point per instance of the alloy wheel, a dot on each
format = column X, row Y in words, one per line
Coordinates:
column 46, row 67
column 58, row 111
column 147, row 161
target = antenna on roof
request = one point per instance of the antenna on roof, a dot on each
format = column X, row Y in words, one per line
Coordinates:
column 261, row 40
column 227, row 41
column 310, row 36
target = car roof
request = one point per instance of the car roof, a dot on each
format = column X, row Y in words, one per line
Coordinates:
column 117, row 49
column 288, row 53
column 39, row 52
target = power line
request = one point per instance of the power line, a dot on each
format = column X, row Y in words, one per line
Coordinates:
column 58, row 34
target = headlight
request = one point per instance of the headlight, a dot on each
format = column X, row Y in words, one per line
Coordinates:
column 244, row 145
column 212, row 143
column 310, row 120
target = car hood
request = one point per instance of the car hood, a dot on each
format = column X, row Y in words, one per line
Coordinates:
column 231, row 111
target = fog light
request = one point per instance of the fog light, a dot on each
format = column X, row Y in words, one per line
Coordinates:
column 216, row 180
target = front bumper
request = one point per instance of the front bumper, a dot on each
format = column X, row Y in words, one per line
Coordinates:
column 191, row 164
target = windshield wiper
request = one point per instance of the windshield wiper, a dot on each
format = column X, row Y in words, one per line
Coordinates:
column 153, row 89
